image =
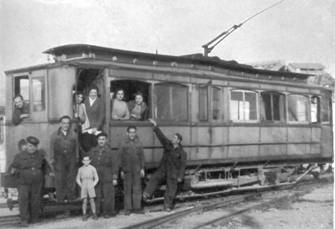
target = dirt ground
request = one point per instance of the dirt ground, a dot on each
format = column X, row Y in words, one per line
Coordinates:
column 312, row 209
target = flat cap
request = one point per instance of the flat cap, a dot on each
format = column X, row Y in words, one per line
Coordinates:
column 102, row 134
column 33, row 140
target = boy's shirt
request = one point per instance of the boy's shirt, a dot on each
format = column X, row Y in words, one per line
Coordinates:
column 87, row 173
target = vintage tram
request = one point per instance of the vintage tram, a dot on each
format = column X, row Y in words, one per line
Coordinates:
column 235, row 120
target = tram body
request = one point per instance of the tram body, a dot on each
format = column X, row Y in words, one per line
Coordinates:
column 230, row 115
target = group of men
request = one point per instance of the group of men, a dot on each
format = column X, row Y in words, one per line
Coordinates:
column 128, row 162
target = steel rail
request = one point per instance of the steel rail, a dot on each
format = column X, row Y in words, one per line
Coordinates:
column 238, row 212
column 206, row 207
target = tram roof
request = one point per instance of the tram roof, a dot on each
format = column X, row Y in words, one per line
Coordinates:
column 77, row 50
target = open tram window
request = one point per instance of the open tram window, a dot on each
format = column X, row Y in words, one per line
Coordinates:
column 315, row 109
column 130, row 100
column 243, row 105
column 203, row 103
column 21, row 87
column 273, row 105
column 297, row 108
column 171, row 102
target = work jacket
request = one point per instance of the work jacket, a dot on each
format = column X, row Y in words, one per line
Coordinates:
column 105, row 160
column 31, row 168
column 131, row 155
column 174, row 159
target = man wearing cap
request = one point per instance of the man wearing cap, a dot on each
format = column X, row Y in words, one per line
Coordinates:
column 132, row 169
column 171, row 168
column 64, row 155
column 105, row 161
column 31, row 166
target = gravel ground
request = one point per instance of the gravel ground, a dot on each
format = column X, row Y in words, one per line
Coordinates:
column 312, row 209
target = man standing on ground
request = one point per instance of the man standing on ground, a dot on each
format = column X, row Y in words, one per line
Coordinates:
column 31, row 167
column 171, row 168
column 64, row 156
column 132, row 169
column 105, row 161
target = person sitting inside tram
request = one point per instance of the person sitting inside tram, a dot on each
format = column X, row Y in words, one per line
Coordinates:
column 138, row 109
column 21, row 110
column 119, row 107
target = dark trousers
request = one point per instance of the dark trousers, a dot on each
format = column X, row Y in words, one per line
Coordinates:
column 171, row 187
column 65, row 172
column 132, row 190
column 88, row 141
column 105, row 193
column 30, row 201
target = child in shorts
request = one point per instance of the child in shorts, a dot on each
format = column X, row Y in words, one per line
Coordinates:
column 87, row 178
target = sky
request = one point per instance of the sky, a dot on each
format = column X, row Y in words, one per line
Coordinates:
column 293, row 31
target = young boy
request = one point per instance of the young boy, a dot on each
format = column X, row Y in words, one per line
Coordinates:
column 87, row 178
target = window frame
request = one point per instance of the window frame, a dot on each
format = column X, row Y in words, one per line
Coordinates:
column 207, row 105
column 308, row 109
column 39, row 116
column 220, row 104
column 318, row 109
column 323, row 97
column 154, row 99
column 108, row 111
column 284, row 113
column 257, row 104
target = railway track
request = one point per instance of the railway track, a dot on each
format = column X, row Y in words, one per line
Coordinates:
column 246, row 199
column 194, row 208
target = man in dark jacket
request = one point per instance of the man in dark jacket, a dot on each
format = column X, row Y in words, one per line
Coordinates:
column 132, row 169
column 64, row 156
column 21, row 110
column 31, row 167
column 106, row 162
column 171, row 168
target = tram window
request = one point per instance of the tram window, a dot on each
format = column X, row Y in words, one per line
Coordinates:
column 297, row 108
column 273, row 106
column 131, row 88
column 243, row 105
column 203, row 103
column 171, row 102
column 325, row 108
column 315, row 109
column 21, row 87
column 38, row 94
column 216, row 103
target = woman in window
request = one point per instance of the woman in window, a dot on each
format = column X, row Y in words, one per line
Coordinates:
column 137, row 108
column 119, row 107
